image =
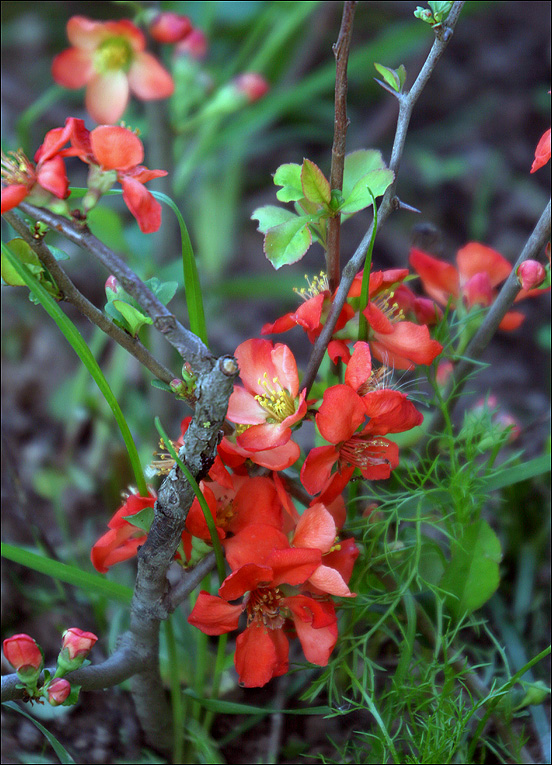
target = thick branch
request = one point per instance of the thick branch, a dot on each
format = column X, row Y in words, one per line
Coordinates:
column 341, row 52
column 510, row 289
column 389, row 202
column 188, row 345
column 72, row 295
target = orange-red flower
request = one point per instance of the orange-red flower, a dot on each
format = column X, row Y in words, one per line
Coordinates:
column 123, row 539
column 542, row 152
column 270, row 403
column 262, row 649
column 110, row 59
column 39, row 183
column 480, row 270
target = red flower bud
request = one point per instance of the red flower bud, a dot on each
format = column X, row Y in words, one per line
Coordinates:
column 253, row 85
column 58, row 691
column 21, row 651
column 112, row 284
column 193, row 45
column 170, row 27
column 77, row 642
column 530, row 274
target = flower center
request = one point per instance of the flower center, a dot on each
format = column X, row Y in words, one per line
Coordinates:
column 263, row 605
column 17, row 168
column 277, row 402
column 225, row 513
column 379, row 378
column 113, row 54
column 363, row 452
column 315, row 287
column 389, row 309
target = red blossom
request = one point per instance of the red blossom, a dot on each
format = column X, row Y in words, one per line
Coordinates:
column 38, row 183
column 479, row 271
column 542, row 152
column 169, row 27
column 109, row 58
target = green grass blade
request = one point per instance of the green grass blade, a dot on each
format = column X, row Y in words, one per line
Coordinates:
column 68, row 574
column 59, row 749
column 82, row 350
column 233, row 708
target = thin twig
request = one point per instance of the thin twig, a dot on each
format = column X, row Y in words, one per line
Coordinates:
column 72, row 295
column 341, row 123
column 188, row 345
column 506, row 297
column 390, row 202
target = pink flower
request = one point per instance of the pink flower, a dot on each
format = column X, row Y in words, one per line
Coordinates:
column 169, row 27
column 109, row 59
column 530, row 274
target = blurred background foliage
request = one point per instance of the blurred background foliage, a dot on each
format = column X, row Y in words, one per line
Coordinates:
column 465, row 167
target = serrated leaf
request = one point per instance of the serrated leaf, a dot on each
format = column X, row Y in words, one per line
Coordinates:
column 390, row 76
column 270, row 216
column 316, row 187
column 289, row 177
column 472, row 575
column 288, row 242
column 134, row 318
column 358, row 164
column 142, row 519
column 359, row 198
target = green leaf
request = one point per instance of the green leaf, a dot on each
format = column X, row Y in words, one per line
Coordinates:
column 234, row 708
column 164, row 291
column 134, row 318
column 288, row 242
column 289, row 177
column 390, row 76
column 315, row 185
column 472, row 574
column 59, row 749
column 142, row 519
column 24, row 254
column 270, row 216
column 376, row 182
column 440, row 8
column 401, row 71
column 92, row 583
column 360, row 163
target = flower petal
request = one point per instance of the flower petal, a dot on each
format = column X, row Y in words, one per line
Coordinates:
column 316, row 529
column 142, row 205
column 317, row 468
column 340, row 413
column 116, row 147
column 213, row 615
column 254, row 543
column 149, row 80
column 73, row 68
column 440, row 279
column 328, row 580
column 107, row 96
column 293, row 566
column 260, row 655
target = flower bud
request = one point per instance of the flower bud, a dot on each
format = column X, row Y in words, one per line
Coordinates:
column 530, row 274
column 253, row 85
column 75, row 647
column 193, row 45
column 58, row 691
column 170, row 27
column 112, row 284
column 25, row 656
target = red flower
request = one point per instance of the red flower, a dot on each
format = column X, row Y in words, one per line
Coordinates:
column 123, row 539
column 270, row 402
column 23, row 653
column 39, row 183
column 542, row 152
column 262, row 649
column 109, row 58
column 77, row 642
column 312, row 314
column 169, row 27
column 480, row 270
column 58, row 691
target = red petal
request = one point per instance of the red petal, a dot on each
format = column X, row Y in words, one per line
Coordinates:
column 142, row 205
column 293, row 566
column 283, row 324
column 390, row 412
column 328, row 580
column 478, row 290
column 260, row 656
column 245, row 579
column 254, row 359
column 244, row 408
column 512, row 320
column 317, row 468
column 440, row 279
column 53, row 178
column 115, row 546
column 148, row 80
column 316, row 529
column 359, row 367
column 256, row 501
column 213, row 615
column 286, row 369
column 260, row 437
column 13, row 195
column 317, row 641
column 407, row 341
column 116, row 148
column 475, row 258
column 254, row 543
column 107, row 96
column 340, row 413
column 73, row 68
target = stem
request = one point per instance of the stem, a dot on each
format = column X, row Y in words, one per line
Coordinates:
column 341, row 123
column 188, row 345
column 72, row 295
column 390, row 202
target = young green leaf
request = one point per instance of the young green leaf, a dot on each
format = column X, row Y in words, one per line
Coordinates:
column 358, row 164
column 288, row 242
column 376, row 182
column 390, row 76
column 289, row 177
column 315, row 185
column 142, row 520
column 134, row 319
column 472, row 574
column 270, row 216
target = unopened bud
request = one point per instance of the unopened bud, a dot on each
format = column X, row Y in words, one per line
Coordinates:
column 75, row 647
column 112, row 284
column 58, row 691
column 530, row 274
column 25, row 656
column 193, row 45
column 170, row 27
column 253, row 85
